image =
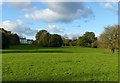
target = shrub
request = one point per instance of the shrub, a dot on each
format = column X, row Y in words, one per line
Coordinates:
column 95, row 44
column 5, row 41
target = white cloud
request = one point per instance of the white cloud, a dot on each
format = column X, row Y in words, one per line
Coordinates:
column 61, row 11
column 107, row 5
column 54, row 28
column 46, row 15
column 111, row 6
column 61, row 0
column 1, row 3
column 111, row 0
column 16, row 27
column 72, row 35
column 19, row 22
column 65, row 8
column 77, row 0
column 104, row 0
column 21, row 5
column 8, row 25
column 97, row 35
column 17, row 0
column 25, row 31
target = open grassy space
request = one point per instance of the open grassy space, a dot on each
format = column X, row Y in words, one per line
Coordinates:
column 29, row 62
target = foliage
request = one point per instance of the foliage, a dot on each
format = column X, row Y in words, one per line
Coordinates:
column 44, row 39
column 87, row 39
column 69, row 42
column 109, row 38
column 14, row 39
column 5, row 40
column 95, row 44
column 74, row 42
column 8, row 38
column 66, row 42
column 39, row 35
column 55, row 40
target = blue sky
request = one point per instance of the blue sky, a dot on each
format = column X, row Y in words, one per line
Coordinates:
column 65, row 18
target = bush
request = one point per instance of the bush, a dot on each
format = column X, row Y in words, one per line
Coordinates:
column 8, row 38
column 88, row 45
column 44, row 39
column 55, row 40
column 5, row 41
column 95, row 44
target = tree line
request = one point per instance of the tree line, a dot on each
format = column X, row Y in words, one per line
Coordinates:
column 8, row 38
column 87, row 40
column 45, row 39
column 108, row 39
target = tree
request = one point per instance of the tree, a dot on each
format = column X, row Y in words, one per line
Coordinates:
column 90, row 36
column 5, row 40
column 39, row 35
column 14, row 39
column 55, row 40
column 8, row 38
column 44, row 39
column 109, row 38
column 17, row 39
column 94, row 44
column 74, row 42
column 66, row 42
column 87, row 39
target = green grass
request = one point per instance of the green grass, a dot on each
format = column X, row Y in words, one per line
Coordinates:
column 32, row 63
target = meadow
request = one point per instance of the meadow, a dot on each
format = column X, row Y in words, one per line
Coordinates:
column 32, row 63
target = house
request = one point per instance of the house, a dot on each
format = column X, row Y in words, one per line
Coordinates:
column 29, row 41
column 26, row 41
column 23, row 41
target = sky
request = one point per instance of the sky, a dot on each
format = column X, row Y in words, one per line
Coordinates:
column 69, row 19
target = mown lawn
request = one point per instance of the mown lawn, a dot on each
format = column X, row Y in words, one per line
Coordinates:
column 32, row 63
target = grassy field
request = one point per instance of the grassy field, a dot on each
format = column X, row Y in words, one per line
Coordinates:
column 29, row 62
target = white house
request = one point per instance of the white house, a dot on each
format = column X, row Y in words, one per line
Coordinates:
column 25, row 41
column 29, row 41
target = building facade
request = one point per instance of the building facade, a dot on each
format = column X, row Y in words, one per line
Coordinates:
column 26, row 41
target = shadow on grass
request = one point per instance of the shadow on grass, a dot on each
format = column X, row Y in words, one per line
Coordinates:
column 46, row 51
column 31, row 47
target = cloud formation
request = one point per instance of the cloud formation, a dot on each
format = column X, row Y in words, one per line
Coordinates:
column 71, row 35
column 61, row 0
column 103, row 0
column 46, row 15
column 54, row 28
column 111, row 6
column 25, row 31
column 61, row 12
column 17, row 0
column 107, row 5
column 21, row 5
column 17, row 27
